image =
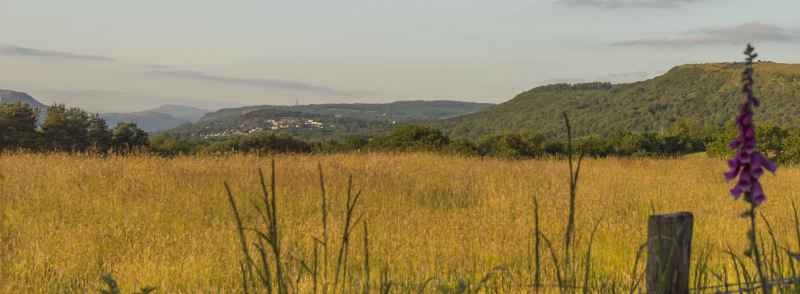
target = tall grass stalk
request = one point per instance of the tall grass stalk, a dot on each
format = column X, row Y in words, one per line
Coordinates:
column 269, row 216
column 635, row 276
column 537, row 258
column 366, row 259
column 324, row 232
column 588, row 262
column 259, row 277
column 350, row 205
column 573, row 185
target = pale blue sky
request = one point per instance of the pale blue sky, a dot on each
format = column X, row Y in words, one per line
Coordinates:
column 121, row 56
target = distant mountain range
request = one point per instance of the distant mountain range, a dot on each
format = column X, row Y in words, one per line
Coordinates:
column 162, row 118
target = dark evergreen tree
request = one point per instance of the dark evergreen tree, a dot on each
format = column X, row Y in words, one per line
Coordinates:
column 99, row 135
column 65, row 129
column 17, row 125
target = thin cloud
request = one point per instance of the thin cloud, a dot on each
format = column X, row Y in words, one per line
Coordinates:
column 264, row 83
column 750, row 32
column 22, row 51
column 628, row 3
column 156, row 66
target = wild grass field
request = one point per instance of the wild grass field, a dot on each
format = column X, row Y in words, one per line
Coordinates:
column 66, row 220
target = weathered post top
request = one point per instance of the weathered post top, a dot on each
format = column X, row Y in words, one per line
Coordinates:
column 669, row 249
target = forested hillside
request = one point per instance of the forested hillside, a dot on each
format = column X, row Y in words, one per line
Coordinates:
column 708, row 93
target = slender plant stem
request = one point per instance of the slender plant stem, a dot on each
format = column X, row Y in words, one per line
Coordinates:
column 754, row 246
column 571, row 221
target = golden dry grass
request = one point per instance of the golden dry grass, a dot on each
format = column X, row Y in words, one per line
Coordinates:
column 65, row 220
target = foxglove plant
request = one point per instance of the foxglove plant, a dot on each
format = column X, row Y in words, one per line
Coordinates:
column 748, row 164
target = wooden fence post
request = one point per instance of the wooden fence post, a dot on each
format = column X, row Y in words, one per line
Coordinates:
column 669, row 249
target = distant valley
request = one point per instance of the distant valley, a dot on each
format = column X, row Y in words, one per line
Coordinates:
column 162, row 118
column 338, row 120
column 708, row 93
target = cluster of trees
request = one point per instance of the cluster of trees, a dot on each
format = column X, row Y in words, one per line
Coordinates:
column 781, row 144
column 63, row 129
column 573, row 87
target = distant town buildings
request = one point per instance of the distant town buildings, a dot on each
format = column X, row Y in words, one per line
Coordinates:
column 271, row 125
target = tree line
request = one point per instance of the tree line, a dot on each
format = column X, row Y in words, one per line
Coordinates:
column 684, row 136
column 73, row 130
column 64, row 129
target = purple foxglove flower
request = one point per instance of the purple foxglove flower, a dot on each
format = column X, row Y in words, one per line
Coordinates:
column 744, row 183
column 758, row 193
column 730, row 175
column 743, row 156
column 750, row 133
column 748, row 164
column 736, row 192
column 736, row 142
column 755, row 167
column 749, row 146
column 772, row 167
column 758, row 161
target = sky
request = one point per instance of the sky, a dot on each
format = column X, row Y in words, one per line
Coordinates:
column 125, row 56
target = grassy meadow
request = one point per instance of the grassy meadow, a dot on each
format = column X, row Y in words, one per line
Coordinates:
column 66, row 220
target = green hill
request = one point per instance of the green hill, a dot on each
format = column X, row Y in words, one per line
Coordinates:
column 706, row 92
column 321, row 121
column 395, row 111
